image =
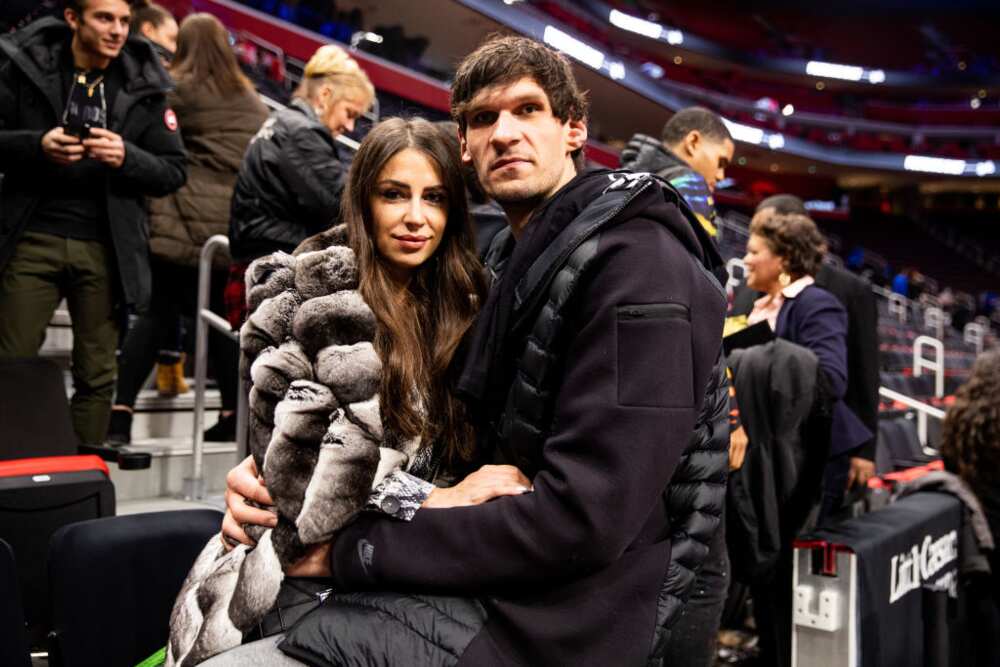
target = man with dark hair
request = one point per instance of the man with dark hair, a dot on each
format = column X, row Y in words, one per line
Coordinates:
column 847, row 469
column 694, row 150
column 594, row 368
column 85, row 136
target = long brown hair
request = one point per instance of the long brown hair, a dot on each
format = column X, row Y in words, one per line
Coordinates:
column 417, row 336
column 204, row 57
column 970, row 436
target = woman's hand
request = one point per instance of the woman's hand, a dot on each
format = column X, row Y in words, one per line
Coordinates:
column 738, row 442
column 244, row 483
column 487, row 483
column 860, row 472
column 316, row 563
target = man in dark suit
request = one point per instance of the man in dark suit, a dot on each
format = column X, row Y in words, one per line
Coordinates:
column 855, row 293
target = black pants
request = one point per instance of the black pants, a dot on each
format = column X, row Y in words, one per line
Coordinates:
column 772, row 610
column 175, row 294
column 693, row 637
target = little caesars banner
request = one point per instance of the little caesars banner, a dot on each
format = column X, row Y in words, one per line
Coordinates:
column 902, row 550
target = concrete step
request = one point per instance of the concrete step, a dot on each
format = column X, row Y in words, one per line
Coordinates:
column 171, row 465
column 159, row 417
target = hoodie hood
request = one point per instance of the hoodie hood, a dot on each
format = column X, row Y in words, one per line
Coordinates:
column 659, row 201
column 644, row 153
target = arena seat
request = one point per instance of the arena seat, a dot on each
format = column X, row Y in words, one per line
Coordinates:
column 114, row 581
column 14, row 643
column 898, row 445
column 34, row 414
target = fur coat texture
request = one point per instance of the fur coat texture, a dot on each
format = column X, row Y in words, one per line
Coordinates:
column 315, row 434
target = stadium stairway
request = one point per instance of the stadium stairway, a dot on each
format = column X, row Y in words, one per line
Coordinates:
column 162, row 427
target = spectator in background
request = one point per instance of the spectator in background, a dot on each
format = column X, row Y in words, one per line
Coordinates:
column 901, row 283
column 694, row 150
column 158, row 26
column 218, row 112
column 487, row 216
column 855, row 294
column 784, row 253
column 291, row 179
column 970, row 438
column 73, row 198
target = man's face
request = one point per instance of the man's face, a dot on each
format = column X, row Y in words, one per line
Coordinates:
column 102, row 27
column 708, row 156
column 519, row 149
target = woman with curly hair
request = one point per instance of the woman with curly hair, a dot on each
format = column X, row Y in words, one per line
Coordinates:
column 970, row 443
column 784, row 252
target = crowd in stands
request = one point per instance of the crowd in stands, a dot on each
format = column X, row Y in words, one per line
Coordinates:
column 473, row 363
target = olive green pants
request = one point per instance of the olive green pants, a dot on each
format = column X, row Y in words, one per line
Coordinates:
column 43, row 270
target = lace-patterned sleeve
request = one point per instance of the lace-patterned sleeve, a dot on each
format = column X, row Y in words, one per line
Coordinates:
column 399, row 495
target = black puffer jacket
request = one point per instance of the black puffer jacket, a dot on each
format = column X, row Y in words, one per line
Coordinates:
column 608, row 415
column 31, row 104
column 288, row 187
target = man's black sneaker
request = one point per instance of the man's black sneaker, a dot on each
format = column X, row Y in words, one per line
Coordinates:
column 119, row 428
column 223, row 431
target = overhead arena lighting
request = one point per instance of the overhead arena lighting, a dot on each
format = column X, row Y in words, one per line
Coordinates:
column 635, row 24
column 876, row 76
column 744, row 133
column 933, row 165
column 834, row 71
column 788, row 110
column 987, row 168
column 616, row 71
column 573, row 47
column 776, row 141
column 645, row 28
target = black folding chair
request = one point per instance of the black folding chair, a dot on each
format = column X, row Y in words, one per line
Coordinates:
column 13, row 638
column 114, row 582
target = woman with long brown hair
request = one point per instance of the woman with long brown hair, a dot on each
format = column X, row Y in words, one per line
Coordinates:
column 217, row 112
column 407, row 221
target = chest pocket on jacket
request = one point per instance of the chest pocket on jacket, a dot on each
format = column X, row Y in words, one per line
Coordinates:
column 655, row 368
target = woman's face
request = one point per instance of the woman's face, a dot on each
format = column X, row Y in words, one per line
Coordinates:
column 409, row 212
column 339, row 116
column 165, row 35
column 762, row 266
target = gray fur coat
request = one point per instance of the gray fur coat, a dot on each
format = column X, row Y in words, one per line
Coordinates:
column 315, row 434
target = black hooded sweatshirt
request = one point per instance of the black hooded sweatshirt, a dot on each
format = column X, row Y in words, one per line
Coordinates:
column 570, row 573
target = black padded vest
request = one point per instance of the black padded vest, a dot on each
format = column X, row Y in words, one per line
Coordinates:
column 695, row 496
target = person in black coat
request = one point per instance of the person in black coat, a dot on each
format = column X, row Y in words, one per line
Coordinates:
column 85, row 137
column 856, row 296
column 292, row 176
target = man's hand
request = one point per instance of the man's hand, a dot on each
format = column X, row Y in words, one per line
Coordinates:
column 738, row 442
column 487, row 483
column 244, row 483
column 316, row 563
column 105, row 146
column 860, row 472
column 62, row 148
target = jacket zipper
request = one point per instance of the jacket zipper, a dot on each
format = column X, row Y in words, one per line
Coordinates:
column 654, row 311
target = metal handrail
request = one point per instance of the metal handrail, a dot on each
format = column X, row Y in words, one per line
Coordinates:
column 194, row 486
column 937, row 365
column 924, row 411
